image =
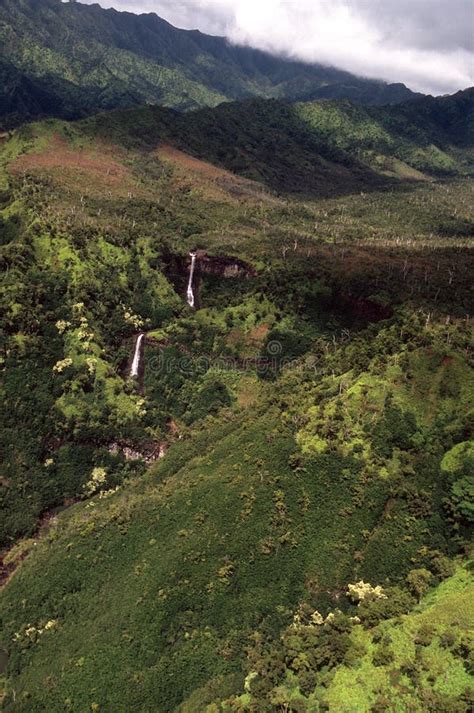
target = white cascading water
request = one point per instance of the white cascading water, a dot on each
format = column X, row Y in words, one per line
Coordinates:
column 136, row 356
column 190, row 293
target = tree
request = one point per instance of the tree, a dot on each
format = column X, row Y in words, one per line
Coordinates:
column 457, row 467
column 418, row 581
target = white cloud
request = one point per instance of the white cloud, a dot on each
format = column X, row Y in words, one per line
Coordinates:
column 427, row 44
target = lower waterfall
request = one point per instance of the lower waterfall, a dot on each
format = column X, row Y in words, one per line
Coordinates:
column 136, row 357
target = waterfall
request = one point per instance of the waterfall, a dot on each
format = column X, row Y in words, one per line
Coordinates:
column 136, row 356
column 190, row 293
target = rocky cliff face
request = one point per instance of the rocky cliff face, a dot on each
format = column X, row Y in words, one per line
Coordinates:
column 177, row 269
column 223, row 266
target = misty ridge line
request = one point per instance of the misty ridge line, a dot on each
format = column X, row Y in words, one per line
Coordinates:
column 70, row 60
column 427, row 44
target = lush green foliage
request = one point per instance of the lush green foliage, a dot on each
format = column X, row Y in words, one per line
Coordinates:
column 418, row 661
column 417, row 134
column 317, row 413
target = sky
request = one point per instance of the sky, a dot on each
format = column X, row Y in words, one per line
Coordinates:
column 426, row 44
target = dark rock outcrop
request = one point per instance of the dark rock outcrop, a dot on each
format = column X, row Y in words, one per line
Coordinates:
column 177, row 267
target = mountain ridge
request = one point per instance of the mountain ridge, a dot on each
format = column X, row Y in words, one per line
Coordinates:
column 90, row 59
column 314, row 147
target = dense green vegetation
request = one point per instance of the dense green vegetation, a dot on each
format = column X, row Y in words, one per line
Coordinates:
column 303, row 545
column 68, row 59
column 323, row 147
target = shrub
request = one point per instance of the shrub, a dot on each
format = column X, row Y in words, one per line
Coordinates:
column 382, row 656
column 398, row 601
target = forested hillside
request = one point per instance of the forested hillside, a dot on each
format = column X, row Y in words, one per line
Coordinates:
column 311, row 147
column 275, row 513
column 69, row 59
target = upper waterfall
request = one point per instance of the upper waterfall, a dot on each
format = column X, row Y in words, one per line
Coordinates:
column 189, row 292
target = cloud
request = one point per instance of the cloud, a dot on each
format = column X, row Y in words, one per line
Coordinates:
column 427, row 44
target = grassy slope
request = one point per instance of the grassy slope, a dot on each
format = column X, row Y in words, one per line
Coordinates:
column 430, row 634
column 382, row 137
column 417, row 661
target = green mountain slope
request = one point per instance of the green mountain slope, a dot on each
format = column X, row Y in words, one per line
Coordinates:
column 74, row 59
column 323, row 147
column 137, row 600
column 416, row 661
column 314, row 411
column 117, row 192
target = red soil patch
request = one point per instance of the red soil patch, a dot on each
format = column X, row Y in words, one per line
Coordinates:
column 99, row 167
column 190, row 163
column 252, row 342
column 259, row 333
column 389, row 505
column 235, row 336
column 216, row 183
column 173, row 427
